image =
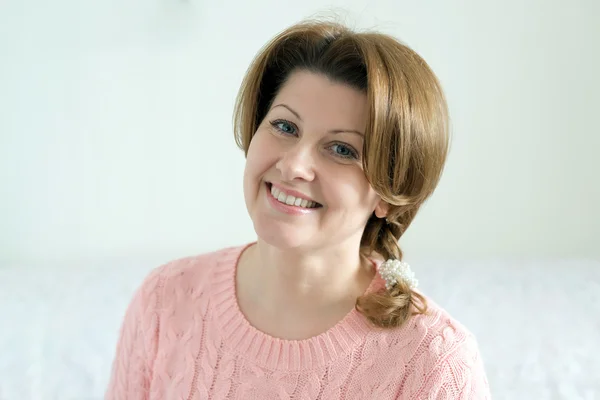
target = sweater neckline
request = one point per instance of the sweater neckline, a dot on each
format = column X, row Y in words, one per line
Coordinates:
column 271, row 352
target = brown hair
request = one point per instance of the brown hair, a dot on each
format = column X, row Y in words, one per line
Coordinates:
column 407, row 135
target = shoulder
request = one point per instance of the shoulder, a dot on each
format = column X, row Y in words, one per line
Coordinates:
column 436, row 335
column 442, row 355
column 441, row 333
column 425, row 339
column 184, row 275
column 451, row 364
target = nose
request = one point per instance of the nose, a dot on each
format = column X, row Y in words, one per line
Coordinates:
column 297, row 163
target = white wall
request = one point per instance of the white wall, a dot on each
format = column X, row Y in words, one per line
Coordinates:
column 116, row 137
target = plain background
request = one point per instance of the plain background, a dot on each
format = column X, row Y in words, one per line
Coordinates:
column 116, row 134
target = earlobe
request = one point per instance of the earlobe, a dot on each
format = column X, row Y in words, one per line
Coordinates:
column 381, row 211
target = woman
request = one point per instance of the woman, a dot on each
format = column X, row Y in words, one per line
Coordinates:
column 345, row 136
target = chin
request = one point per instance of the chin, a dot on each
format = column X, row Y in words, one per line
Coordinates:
column 283, row 237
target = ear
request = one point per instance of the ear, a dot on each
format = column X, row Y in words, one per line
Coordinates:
column 382, row 209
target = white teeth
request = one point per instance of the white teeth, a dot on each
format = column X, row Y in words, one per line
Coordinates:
column 291, row 200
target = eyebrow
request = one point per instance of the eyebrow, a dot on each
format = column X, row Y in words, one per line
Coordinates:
column 334, row 131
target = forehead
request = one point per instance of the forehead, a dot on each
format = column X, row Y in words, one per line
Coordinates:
column 316, row 97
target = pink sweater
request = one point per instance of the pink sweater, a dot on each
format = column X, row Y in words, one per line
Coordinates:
column 184, row 337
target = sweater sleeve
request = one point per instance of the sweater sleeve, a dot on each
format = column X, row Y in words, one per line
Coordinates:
column 458, row 376
column 137, row 344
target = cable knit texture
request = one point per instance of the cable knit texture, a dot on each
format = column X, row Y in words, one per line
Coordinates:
column 184, row 337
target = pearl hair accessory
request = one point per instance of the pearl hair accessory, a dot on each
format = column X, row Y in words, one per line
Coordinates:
column 393, row 270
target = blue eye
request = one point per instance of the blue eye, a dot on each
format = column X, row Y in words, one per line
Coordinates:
column 285, row 127
column 343, row 151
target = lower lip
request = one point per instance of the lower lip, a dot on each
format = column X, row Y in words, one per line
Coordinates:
column 286, row 208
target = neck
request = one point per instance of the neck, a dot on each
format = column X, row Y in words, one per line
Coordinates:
column 297, row 281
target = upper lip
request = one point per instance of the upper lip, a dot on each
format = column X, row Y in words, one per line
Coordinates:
column 292, row 192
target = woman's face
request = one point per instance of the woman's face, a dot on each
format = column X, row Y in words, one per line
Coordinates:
column 304, row 185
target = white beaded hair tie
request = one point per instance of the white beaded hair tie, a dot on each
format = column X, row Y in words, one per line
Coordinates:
column 394, row 270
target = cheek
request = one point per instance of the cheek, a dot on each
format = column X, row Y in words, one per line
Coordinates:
column 351, row 190
column 261, row 156
column 252, row 171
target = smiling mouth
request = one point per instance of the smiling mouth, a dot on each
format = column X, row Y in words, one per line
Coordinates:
column 290, row 200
